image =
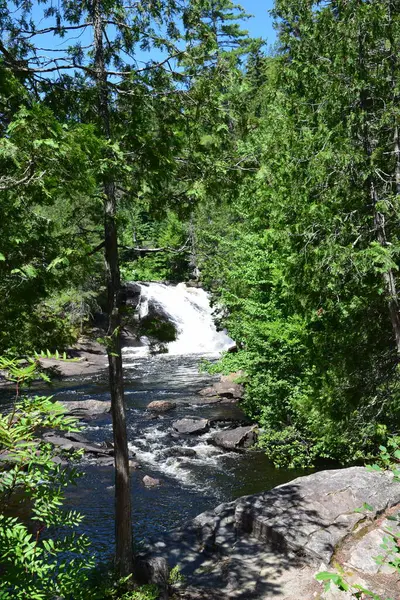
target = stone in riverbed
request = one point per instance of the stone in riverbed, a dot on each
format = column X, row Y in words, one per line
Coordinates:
column 208, row 399
column 86, row 409
column 236, row 439
column 179, row 451
column 191, row 425
column 225, row 388
column 207, row 392
column 229, row 389
column 133, row 464
column 73, row 441
column 161, row 405
column 150, row 482
column 105, row 461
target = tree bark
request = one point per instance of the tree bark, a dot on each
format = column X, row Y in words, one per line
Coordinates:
column 123, row 513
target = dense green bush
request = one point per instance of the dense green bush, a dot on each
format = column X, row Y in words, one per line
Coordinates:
column 39, row 559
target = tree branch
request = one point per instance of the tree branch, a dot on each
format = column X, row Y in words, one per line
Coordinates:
column 8, row 183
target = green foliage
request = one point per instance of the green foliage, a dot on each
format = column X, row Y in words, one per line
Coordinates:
column 46, row 201
column 299, row 253
column 168, row 234
column 175, row 576
column 37, row 560
column 104, row 584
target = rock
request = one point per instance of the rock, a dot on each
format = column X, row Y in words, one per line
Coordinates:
column 269, row 546
column 191, row 425
column 67, row 444
column 229, row 400
column 179, row 451
column 312, row 514
column 208, row 399
column 236, row 439
column 87, row 409
column 133, row 464
column 233, row 377
column 226, row 387
column 207, row 392
column 229, row 389
column 366, row 548
column 161, row 405
column 150, row 482
column 76, row 437
column 105, row 461
column 130, row 294
column 155, row 571
column 90, row 357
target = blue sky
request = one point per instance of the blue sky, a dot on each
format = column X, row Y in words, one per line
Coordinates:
column 261, row 24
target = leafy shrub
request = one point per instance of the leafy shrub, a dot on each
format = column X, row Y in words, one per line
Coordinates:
column 37, row 561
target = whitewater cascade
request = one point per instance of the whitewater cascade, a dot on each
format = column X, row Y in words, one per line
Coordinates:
column 189, row 310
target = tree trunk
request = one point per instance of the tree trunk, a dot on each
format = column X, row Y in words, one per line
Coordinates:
column 123, row 517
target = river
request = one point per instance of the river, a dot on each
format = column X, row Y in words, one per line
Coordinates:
column 189, row 485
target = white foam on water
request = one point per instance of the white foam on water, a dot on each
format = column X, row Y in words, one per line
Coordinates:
column 189, row 310
column 149, row 447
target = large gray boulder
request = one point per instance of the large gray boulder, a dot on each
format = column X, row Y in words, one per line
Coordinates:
column 227, row 387
column 86, row 409
column 74, row 441
column 269, row 546
column 235, row 439
column 191, row 425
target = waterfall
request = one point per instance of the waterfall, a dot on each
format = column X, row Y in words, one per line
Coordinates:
column 189, row 310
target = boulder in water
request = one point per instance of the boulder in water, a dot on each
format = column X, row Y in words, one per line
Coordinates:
column 150, row 482
column 236, row 439
column 208, row 392
column 73, row 441
column 225, row 388
column 179, row 451
column 161, row 406
column 191, row 425
column 130, row 294
column 208, row 399
column 229, row 389
column 86, row 409
column 133, row 464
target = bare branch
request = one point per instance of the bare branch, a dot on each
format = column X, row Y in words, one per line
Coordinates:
column 9, row 183
column 29, row 33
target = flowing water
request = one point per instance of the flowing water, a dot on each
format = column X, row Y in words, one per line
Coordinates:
column 189, row 485
column 189, row 310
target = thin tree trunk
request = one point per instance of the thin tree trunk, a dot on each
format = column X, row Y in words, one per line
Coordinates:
column 123, row 517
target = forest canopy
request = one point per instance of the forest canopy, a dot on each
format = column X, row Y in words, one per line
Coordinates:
column 272, row 178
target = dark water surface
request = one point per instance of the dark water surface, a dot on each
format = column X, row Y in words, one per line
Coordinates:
column 189, row 486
